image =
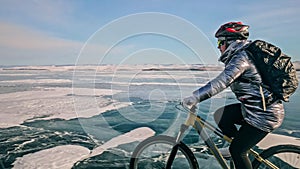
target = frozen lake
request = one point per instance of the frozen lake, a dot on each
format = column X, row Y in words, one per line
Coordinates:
column 94, row 116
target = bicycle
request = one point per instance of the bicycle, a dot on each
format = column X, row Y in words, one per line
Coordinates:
column 163, row 151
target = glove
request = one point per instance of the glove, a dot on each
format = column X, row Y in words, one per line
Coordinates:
column 190, row 101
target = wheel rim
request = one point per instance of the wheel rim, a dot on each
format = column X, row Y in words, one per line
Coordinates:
column 155, row 155
column 284, row 160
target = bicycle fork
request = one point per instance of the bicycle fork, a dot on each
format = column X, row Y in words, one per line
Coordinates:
column 171, row 158
column 190, row 121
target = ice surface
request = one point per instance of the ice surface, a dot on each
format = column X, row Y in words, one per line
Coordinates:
column 37, row 81
column 59, row 157
column 277, row 139
column 50, row 103
column 44, row 102
column 112, row 67
column 138, row 134
column 64, row 157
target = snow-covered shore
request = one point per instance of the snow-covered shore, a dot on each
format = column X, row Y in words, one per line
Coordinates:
column 108, row 67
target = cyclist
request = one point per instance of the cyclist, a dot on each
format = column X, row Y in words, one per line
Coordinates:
column 257, row 117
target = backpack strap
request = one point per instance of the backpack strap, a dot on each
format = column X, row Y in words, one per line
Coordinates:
column 262, row 97
column 261, row 85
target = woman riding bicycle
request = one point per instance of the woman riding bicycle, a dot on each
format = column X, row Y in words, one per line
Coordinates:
column 258, row 111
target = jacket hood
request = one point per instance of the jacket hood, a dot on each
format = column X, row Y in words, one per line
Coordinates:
column 231, row 49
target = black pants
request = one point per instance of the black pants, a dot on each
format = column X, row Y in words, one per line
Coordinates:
column 245, row 138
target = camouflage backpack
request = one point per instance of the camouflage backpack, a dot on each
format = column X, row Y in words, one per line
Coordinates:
column 276, row 68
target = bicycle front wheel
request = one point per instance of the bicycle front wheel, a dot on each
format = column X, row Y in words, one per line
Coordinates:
column 282, row 156
column 153, row 153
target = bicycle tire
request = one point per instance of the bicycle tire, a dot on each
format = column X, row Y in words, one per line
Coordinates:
column 140, row 160
column 283, row 156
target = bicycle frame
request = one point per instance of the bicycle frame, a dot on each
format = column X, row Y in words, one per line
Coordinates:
column 199, row 124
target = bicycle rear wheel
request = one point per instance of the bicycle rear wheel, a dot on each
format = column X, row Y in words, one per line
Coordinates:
column 153, row 153
column 283, row 156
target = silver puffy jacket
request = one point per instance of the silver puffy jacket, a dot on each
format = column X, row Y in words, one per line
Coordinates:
column 259, row 108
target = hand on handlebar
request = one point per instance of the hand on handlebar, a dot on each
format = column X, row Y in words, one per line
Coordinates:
column 190, row 101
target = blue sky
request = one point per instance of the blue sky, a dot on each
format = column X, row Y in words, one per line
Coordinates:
column 56, row 32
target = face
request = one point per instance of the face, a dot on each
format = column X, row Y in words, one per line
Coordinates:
column 222, row 46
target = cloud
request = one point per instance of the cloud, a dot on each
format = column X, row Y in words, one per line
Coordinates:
column 34, row 11
column 20, row 37
column 278, row 19
column 25, row 45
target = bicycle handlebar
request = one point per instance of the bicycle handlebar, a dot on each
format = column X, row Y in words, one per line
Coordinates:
column 190, row 109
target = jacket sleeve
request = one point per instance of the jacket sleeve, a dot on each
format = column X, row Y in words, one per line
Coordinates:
column 233, row 69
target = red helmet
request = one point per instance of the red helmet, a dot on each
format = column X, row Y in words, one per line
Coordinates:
column 233, row 30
